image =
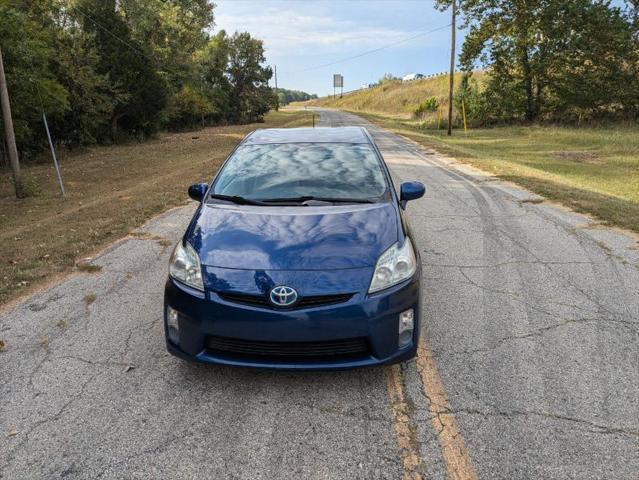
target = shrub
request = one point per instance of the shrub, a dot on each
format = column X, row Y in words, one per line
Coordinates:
column 478, row 103
column 187, row 108
column 429, row 105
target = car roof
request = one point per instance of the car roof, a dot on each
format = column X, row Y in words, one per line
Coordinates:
column 308, row 135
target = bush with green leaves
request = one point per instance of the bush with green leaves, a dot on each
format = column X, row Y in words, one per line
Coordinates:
column 471, row 98
column 429, row 105
column 188, row 108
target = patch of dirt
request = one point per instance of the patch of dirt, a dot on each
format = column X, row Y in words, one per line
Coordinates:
column 162, row 241
column 90, row 298
column 579, row 156
column 88, row 267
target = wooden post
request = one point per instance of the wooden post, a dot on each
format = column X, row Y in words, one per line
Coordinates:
column 12, row 150
column 277, row 98
column 452, row 71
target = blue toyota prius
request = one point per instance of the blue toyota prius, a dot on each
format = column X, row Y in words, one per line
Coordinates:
column 298, row 257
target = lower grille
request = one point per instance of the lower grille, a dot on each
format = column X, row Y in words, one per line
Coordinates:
column 353, row 347
column 304, row 302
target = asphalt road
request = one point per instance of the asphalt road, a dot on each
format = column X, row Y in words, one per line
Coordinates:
column 529, row 366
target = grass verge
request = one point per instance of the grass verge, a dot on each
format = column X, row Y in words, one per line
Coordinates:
column 110, row 190
column 592, row 170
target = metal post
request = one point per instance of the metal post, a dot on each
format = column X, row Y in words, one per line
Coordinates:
column 55, row 159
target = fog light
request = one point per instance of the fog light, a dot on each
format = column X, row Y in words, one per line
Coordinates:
column 406, row 327
column 172, row 325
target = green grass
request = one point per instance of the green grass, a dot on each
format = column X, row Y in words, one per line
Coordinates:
column 593, row 170
column 110, row 191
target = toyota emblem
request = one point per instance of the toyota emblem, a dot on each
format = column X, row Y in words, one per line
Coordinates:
column 283, row 296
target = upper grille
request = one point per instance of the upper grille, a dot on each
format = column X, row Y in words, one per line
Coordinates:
column 346, row 348
column 304, row 302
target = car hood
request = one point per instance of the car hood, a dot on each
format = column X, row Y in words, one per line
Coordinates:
column 293, row 238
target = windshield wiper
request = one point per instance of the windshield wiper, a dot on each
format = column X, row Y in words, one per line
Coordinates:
column 236, row 199
column 307, row 198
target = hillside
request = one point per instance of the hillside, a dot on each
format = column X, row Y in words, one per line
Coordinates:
column 593, row 168
column 393, row 98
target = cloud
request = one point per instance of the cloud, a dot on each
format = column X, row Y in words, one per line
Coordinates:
column 286, row 31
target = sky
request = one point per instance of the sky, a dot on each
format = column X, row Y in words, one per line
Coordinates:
column 301, row 36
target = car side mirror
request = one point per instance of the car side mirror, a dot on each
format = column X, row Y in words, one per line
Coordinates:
column 410, row 191
column 197, row 191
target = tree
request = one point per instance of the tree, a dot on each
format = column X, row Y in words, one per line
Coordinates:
column 129, row 65
column 550, row 57
column 32, row 85
column 593, row 67
column 250, row 96
column 212, row 64
column 100, row 69
column 92, row 96
column 287, row 96
column 633, row 7
column 187, row 108
column 173, row 32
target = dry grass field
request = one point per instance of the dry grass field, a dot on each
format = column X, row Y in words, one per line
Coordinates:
column 110, row 191
column 394, row 98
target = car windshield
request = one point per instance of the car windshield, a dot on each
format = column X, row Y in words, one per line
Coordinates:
column 337, row 171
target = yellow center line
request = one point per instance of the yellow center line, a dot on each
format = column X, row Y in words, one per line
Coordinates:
column 409, row 452
column 458, row 462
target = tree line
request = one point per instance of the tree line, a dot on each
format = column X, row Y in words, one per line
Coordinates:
column 552, row 60
column 286, row 96
column 105, row 70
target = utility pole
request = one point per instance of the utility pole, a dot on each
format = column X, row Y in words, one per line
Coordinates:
column 8, row 130
column 277, row 98
column 452, row 71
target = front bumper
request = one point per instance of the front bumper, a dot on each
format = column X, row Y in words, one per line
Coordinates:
column 373, row 318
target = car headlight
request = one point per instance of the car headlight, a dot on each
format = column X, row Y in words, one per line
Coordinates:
column 394, row 265
column 185, row 266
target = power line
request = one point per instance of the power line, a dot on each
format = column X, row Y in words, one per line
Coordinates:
column 368, row 52
column 157, row 63
column 87, row 16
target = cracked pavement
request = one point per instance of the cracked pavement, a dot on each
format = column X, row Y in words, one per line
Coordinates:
column 531, row 313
